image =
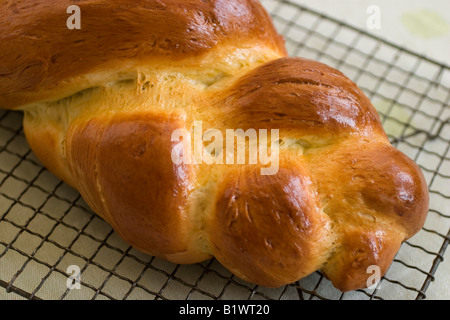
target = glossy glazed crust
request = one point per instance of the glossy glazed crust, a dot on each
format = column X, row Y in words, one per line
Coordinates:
column 342, row 200
column 41, row 59
column 275, row 222
column 300, row 95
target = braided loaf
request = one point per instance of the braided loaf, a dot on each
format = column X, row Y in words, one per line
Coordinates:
column 101, row 104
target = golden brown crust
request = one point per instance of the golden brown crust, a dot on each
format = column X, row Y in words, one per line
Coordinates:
column 342, row 200
column 359, row 251
column 40, row 57
column 301, row 95
column 125, row 164
column 372, row 180
column 376, row 197
column 269, row 229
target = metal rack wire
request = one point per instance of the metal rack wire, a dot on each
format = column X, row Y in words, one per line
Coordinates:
column 45, row 226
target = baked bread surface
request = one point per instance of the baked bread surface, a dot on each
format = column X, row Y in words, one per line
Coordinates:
column 101, row 104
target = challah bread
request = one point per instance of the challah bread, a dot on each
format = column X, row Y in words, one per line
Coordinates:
column 101, row 104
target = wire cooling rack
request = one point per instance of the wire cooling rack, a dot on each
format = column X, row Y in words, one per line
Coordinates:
column 45, row 226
